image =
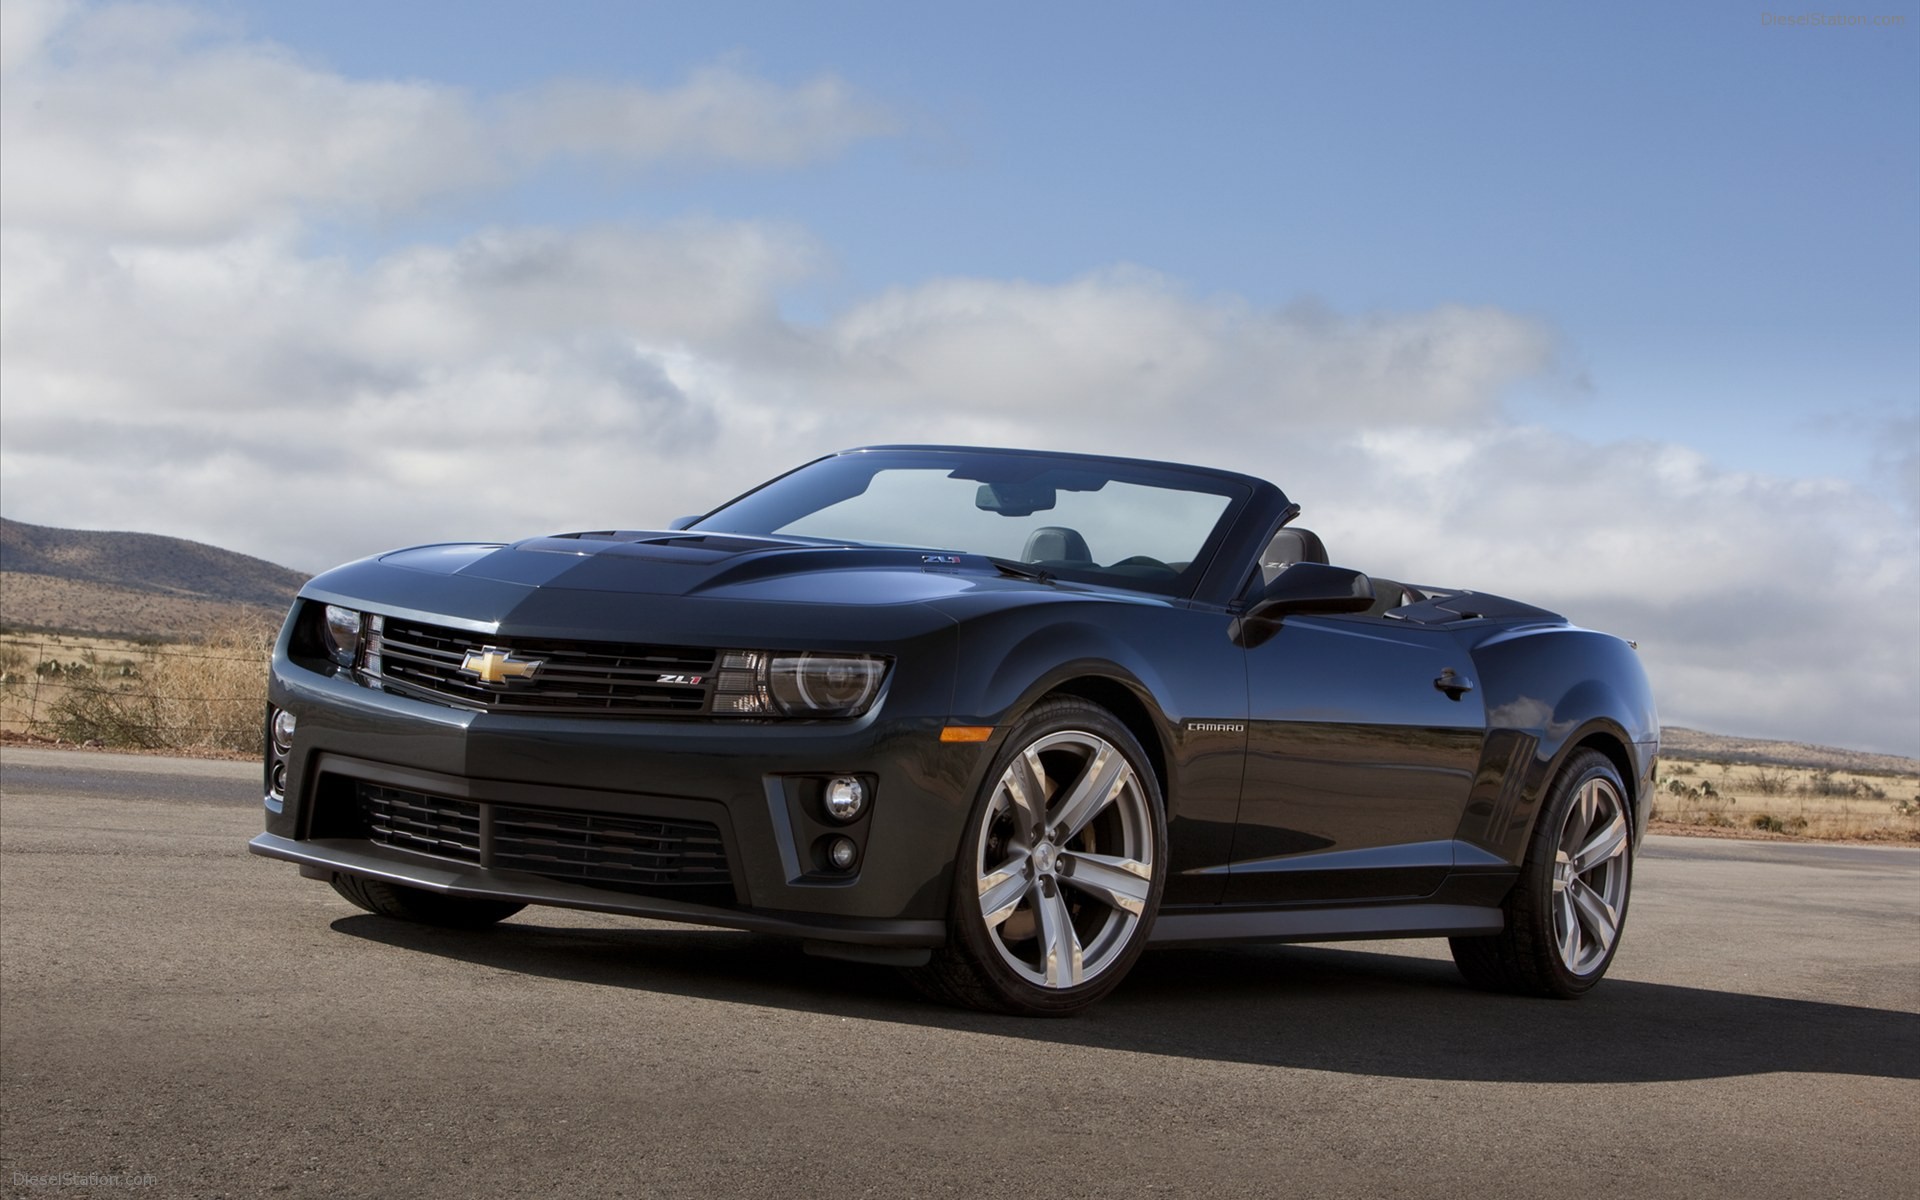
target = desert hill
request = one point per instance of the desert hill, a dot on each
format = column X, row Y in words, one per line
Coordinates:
column 132, row 583
column 1677, row 741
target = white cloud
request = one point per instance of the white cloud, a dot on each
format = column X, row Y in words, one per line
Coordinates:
column 162, row 132
column 719, row 115
column 1764, row 606
column 151, row 122
column 1129, row 343
column 25, row 26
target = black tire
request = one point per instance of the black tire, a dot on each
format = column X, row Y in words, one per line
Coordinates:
column 422, row 907
column 1563, row 920
column 1076, row 894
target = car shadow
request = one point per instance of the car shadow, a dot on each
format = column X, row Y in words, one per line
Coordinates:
column 1311, row 1007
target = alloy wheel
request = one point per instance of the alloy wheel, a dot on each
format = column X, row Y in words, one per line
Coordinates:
column 1065, row 867
column 1590, row 877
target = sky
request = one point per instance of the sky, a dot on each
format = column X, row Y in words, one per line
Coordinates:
column 1612, row 308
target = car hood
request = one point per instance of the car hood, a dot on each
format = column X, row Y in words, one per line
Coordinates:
column 686, row 585
column 723, row 566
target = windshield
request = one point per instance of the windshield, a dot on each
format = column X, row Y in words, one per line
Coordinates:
column 1141, row 527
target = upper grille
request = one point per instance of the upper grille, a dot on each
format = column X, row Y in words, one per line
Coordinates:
column 575, row 679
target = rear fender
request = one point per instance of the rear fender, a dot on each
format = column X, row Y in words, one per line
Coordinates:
column 1550, row 692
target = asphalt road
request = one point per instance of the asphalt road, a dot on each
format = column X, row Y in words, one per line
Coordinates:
column 180, row 1018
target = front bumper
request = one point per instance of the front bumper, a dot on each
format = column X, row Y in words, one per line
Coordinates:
column 741, row 778
column 324, row 856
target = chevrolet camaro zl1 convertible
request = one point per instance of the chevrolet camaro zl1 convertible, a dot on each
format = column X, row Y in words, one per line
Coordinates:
column 1001, row 718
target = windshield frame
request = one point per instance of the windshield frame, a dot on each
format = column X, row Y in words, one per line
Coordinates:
column 1238, row 491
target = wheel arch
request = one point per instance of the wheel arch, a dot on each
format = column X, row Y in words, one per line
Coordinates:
column 1127, row 707
column 1611, row 741
column 1614, row 748
column 1089, row 660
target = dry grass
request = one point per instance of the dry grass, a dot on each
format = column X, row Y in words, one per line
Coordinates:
column 1764, row 798
column 202, row 696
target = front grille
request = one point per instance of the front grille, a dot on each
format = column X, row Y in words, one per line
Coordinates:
column 429, row 824
column 685, row 860
column 574, row 678
column 598, row 848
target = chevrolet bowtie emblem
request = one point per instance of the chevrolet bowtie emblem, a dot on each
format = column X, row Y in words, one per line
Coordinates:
column 494, row 665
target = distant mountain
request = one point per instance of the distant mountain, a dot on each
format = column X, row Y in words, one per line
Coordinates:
column 134, row 583
column 1677, row 741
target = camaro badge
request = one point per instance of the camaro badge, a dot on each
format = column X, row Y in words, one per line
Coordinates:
column 494, row 665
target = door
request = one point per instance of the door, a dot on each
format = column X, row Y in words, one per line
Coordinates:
column 1359, row 764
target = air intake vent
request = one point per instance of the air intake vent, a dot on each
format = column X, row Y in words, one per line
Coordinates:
column 684, row 860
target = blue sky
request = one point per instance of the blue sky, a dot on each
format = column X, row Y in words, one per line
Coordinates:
column 1718, row 215
column 1614, row 308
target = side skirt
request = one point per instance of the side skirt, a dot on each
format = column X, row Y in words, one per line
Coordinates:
column 1174, row 928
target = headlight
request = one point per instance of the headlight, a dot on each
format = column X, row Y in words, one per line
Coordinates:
column 833, row 685
column 758, row 683
column 342, row 632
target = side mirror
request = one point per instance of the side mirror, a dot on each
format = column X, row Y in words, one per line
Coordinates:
column 683, row 522
column 1305, row 587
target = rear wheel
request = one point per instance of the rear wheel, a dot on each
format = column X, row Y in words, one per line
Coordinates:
column 420, row 906
column 1060, row 871
column 1565, row 915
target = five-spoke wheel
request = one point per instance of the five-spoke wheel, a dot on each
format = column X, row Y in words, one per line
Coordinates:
column 1061, row 872
column 1565, row 914
column 1590, row 877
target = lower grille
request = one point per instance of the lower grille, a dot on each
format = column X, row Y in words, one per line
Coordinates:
column 685, row 860
column 600, row 849
column 429, row 824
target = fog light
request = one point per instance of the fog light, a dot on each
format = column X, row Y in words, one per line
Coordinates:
column 283, row 723
column 846, row 798
column 279, row 784
column 841, row 853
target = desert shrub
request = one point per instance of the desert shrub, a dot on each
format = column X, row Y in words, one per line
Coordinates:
column 1769, row 781
column 93, row 712
column 1822, row 783
column 1692, row 804
column 1684, row 769
column 205, row 697
column 1769, row 823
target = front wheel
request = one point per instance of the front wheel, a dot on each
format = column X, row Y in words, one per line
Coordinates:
column 1565, row 914
column 1060, row 871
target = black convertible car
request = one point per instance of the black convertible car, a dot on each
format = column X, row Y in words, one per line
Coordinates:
column 1001, row 718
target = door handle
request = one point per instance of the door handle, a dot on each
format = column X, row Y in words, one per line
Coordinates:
column 1453, row 684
